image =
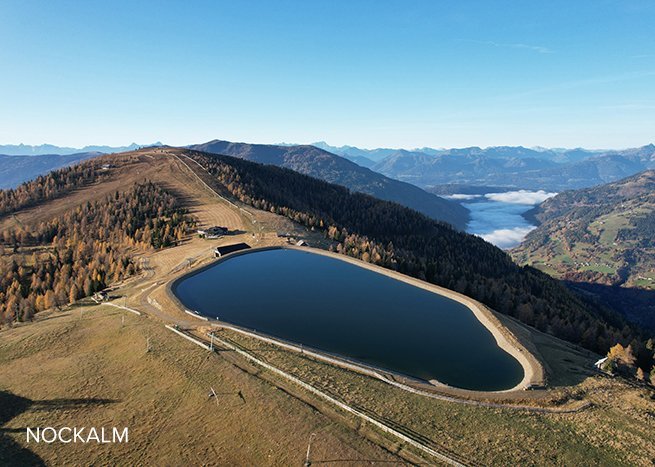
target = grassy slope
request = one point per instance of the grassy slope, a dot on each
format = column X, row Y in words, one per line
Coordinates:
column 86, row 369
column 617, row 430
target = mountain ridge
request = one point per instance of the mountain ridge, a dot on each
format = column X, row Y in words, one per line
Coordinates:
column 51, row 149
column 517, row 167
column 318, row 163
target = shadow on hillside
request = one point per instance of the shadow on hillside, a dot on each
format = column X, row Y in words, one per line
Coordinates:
column 236, row 232
column 12, row 453
column 51, row 317
column 11, row 405
column 636, row 305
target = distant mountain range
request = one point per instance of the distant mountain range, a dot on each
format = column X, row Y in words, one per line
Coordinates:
column 390, row 174
column 324, row 165
column 515, row 167
column 20, row 163
column 378, row 154
column 15, row 170
column 49, row 149
column 363, row 157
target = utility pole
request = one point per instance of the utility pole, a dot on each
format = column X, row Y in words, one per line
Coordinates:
column 309, row 447
column 148, row 344
column 211, row 343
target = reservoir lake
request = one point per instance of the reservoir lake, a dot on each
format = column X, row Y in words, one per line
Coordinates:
column 340, row 308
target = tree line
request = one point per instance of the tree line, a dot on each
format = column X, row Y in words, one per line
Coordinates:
column 83, row 250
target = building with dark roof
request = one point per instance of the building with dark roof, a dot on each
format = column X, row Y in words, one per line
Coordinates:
column 220, row 251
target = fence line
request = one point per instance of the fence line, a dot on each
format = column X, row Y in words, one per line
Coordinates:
column 122, row 308
column 363, row 369
column 447, row 458
column 188, row 337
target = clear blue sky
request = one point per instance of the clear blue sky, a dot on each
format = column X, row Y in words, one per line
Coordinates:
column 367, row 73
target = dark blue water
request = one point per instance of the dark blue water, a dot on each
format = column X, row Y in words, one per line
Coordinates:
column 338, row 307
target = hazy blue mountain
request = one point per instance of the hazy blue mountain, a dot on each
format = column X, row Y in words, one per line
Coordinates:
column 459, row 166
column 15, row 170
column 351, row 152
column 361, row 160
column 553, row 154
column 332, row 168
column 358, row 156
column 552, row 170
column 506, row 166
column 22, row 162
column 49, row 149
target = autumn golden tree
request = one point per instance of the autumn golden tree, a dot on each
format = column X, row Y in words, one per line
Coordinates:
column 622, row 355
column 79, row 252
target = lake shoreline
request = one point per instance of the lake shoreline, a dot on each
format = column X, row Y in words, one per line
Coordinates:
column 533, row 371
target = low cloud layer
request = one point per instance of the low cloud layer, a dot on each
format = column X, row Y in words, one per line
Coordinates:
column 507, row 238
column 521, row 197
column 498, row 217
column 459, row 196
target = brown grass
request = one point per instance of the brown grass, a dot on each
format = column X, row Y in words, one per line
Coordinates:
column 617, row 429
column 87, row 370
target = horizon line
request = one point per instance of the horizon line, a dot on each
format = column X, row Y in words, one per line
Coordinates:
column 314, row 143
